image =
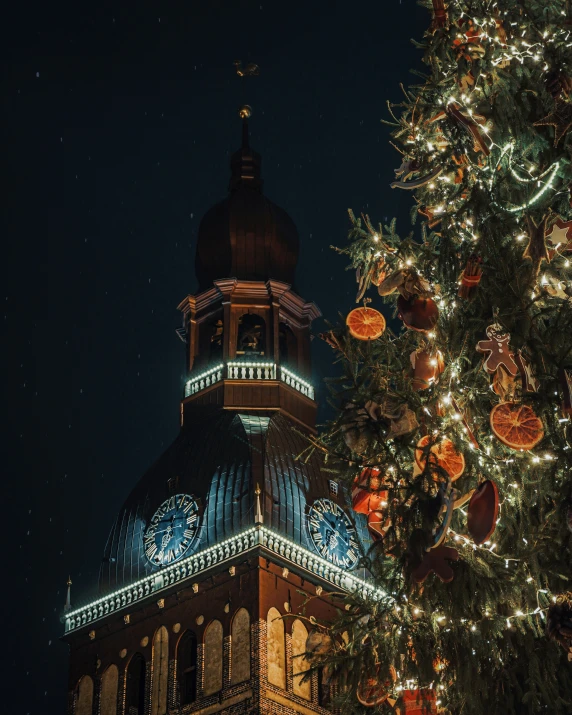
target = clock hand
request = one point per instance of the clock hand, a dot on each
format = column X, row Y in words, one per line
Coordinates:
column 165, row 540
column 331, row 529
column 176, row 526
column 337, row 533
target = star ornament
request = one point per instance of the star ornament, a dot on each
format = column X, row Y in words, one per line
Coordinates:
column 536, row 251
column 560, row 236
column 560, row 119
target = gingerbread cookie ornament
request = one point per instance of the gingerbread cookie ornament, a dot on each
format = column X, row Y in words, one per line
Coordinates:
column 497, row 350
column 436, row 561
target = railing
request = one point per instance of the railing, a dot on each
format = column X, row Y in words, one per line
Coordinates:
column 158, row 581
column 257, row 536
column 236, row 370
column 201, row 382
column 297, row 383
column 251, row 371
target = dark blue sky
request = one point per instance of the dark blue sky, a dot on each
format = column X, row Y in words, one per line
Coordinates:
column 118, row 124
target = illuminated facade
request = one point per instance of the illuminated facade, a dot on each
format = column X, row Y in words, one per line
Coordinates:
column 219, row 544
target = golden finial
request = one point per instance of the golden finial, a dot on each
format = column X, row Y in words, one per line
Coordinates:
column 67, row 606
column 245, row 112
column 258, row 516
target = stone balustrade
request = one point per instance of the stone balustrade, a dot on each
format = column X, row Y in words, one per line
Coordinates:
column 241, row 370
column 255, row 537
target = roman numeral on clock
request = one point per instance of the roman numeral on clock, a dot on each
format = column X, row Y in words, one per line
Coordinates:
column 171, row 529
column 151, row 550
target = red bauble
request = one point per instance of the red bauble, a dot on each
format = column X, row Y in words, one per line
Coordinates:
column 483, row 511
column 366, row 495
column 427, row 366
column 418, row 313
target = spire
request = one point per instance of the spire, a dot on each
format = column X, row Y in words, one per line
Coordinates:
column 258, row 518
column 67, row 607
column 245, row 163
column 245, row 113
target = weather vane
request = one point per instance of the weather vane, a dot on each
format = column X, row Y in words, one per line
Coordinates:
column 250, row 70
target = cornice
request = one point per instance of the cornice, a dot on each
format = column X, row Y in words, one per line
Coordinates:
column 269, row 542
column 194, row 304
column 234, row 291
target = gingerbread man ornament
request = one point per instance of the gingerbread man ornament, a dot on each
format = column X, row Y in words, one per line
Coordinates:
column 436, row 560
column 499, row 353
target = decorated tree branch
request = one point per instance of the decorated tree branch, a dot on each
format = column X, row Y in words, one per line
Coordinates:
column 453, row 432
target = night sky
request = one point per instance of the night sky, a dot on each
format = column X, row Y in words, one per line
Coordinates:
column 118, row 125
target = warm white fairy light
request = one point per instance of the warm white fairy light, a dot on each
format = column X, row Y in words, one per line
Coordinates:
column 551, row 173
column 540, row 184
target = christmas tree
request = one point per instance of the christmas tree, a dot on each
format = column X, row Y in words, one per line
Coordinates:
column 453, row 430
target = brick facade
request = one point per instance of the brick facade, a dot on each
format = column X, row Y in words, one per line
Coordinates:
column 256, row 584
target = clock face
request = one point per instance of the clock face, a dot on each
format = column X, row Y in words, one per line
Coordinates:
column 332, row 534
column 172, row 530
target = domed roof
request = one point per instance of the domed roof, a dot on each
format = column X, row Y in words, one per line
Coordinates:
column 246, row 236
column 219, row 457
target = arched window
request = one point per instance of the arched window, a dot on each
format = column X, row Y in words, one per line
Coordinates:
column 300, row 664
column 109, row 683
column 251, row 335
column 84, row 705
column 187, row 668
column 160, row 672
column 135, row 688
column 240, row 647
column 275, row 649
column 213, row 658
column 287, row 346
column 216, row 329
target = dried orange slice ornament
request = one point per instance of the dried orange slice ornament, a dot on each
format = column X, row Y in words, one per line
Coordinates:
column 516, row 425
column 365, row 323
column 373, row 691
column 444, row 455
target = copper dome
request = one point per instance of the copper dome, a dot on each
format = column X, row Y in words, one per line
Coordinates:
column 246, row 236
column 219, row 457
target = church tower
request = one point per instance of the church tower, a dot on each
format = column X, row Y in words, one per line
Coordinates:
column 219, row 545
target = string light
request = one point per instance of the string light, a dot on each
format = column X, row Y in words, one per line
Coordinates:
column 538, row 184
column 551, row 172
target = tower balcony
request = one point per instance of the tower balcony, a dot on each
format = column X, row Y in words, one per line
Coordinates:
column 255, row 371
column 252, row 386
